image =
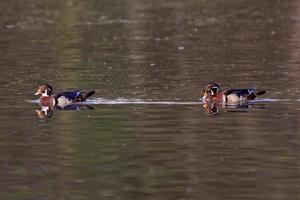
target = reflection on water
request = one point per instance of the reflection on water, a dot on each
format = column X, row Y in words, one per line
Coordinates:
column 213, row 108
column 162, row 52
column 45, row 112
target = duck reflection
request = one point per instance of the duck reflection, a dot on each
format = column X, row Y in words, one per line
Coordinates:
column 213, row 108
column 46, row 112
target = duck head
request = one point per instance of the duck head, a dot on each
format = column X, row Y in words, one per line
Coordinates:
column 44, row 90
column 211, row 91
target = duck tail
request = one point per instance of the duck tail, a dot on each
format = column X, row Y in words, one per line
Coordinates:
column 87, row 95
column 260, row 92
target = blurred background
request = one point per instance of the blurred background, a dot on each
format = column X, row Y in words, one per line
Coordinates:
column 152, row 51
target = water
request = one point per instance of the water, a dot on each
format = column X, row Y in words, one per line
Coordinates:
column 146, row 134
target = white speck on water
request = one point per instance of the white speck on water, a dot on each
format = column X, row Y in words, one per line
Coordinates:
column 180, row 48
column 189, row 189
column 70, row 3
column 152, row 64
column 10, row 26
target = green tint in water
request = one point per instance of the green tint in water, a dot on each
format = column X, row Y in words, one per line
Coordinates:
column 150, row 51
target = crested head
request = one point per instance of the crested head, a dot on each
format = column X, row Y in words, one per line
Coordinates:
column 211, row 90
column 44, row 89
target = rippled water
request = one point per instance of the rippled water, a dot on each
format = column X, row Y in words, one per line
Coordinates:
column 146, row 134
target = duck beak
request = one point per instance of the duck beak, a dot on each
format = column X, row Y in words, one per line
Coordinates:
column 205, row 95
column 38, row 92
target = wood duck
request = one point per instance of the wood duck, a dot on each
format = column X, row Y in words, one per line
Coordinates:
column 213, row 92
column 48, row 99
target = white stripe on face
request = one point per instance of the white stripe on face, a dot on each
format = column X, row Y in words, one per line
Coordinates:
column 45, row 94
column 214, row 92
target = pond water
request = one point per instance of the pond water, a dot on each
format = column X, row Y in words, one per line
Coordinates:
column 145, row 134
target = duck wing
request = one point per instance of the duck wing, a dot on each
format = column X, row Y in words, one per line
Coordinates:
column 241, row 92
column 71, row 95
column 249, row 94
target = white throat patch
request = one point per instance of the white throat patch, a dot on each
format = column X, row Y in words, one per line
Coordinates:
column 45, row 94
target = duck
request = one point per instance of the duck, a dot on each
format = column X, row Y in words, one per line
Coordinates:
column 60, row 100
column 213, row 92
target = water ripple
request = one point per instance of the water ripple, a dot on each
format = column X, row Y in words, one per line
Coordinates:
column 124, row 101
